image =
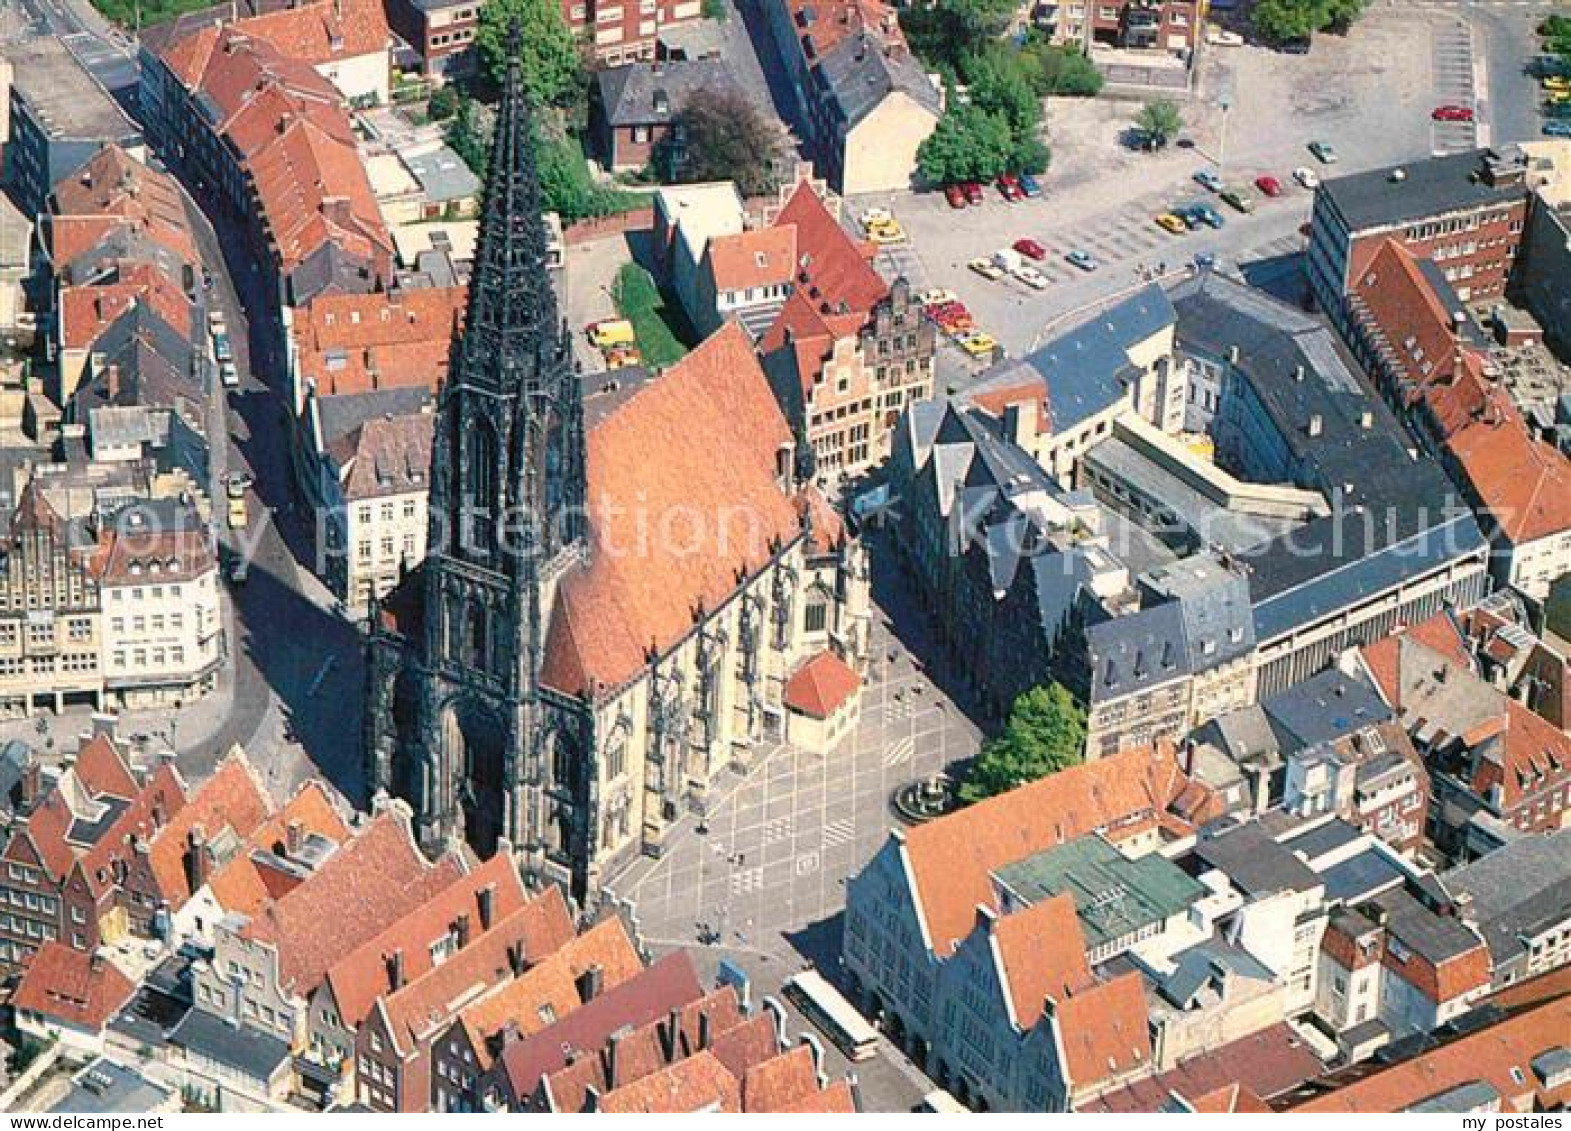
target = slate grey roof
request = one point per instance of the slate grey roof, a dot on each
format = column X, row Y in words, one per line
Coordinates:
column 1428, row 187
column 1360, row 877
column 1135, row 652
column 1197, row 967
column 1477, row 1095
column 1253, row 861
column 249, row 1051
column 107, row 1087
column 1245, row 735
column 647, row 94
column 1323, row 708
column 1516, row 889
column 859, row 72
column 1315, row 840
column 1393, row 515
column 1086, row 369
column 442, row 174
column 341, row 415
column 1439, row 938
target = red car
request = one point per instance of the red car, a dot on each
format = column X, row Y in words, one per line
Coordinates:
column 1031, row 249
column 972, row 190
column 1009, row 187
column 1269, row 185
column 955, row 195
column 1453, row 114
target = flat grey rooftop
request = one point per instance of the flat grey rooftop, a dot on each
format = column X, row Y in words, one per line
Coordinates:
column 1428, row 187
column 65, row 95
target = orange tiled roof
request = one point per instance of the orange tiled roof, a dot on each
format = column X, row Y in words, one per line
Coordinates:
column 86, row 311
column 116, row 187
column 373, row 880
column 361, row 976
column 835, row 20
column 232, row 798
column 699, row 1083
column 697, row 448
column 759, row 257
column 356, row 343
column 821, row 685
column 181, row 555
column 325, row 31
column 70, row 986
column 160, row 799
column 952, row 858
column 1500, row 1056
column 1043, row 954
column 1104, row 1030
column 240, row 886
column 549, row 990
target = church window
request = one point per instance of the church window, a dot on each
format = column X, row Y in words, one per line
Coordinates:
column 816, row 614
column 479, row 653
column 482, row 479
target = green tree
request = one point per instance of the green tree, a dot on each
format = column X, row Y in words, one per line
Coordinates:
column 553, row 73
column 944, row 33
column 1061, row 69
column 724, row 138
column 1046, row 732
column 998, row 83
column 467, row 137
column 444, row 102
column 1281, row 20
column 969, row 144
column 1160, row 121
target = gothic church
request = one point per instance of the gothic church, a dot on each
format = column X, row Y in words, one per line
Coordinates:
column 607, row 616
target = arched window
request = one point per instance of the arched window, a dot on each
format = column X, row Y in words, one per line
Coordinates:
column 480, row 483
column 815, row 615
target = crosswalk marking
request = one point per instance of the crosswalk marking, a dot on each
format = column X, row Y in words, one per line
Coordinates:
column 900, row 752
column 748, row 879
column 839, row 832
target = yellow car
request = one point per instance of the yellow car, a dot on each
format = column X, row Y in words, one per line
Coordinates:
column 234, row 491
column 978, row 344
column 1174, row 224
column 1558, row 97
column 886, row 231
column 1557, row 84
column 986, row 268
column 611, row 332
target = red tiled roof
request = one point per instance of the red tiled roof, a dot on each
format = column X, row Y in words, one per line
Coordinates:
column 1231, row 1077
column 323, row 32
column 86, row 311
column 361, row 976
column 181, row 555
column 159, row 800
column 72, row 987
column 375, row 879
column 232, row 798
column 836, row 267
column 953, row 857
column 115, row 189
column 356, row 343
column 821, row 685
column 1500, row 1056
column 693, row 456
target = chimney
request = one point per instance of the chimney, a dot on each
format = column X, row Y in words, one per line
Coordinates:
column 1232, row 355
column 515, row 958
column 104, row 724
column 294, row 839
column 986, row 917
column 611, row 1044
column 589, row 983
column 486, row 899
column 198, row 857
column 1316, row 425
column 335, row 209
column 31, row 784
column 1366, row 420
column 704, row 1035
column 395, row 970
column 1298, row 372
column 1020, row 421
column 461, row 929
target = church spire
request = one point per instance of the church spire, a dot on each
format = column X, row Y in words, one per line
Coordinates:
column 511, row 325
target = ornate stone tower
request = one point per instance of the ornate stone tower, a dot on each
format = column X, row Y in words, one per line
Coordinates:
column 454, row 712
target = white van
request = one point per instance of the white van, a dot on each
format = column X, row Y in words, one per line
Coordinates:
column 228, row 375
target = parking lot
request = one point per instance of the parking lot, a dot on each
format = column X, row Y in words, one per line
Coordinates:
column 1370, row 94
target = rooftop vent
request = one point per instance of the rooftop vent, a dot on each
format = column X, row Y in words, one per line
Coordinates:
column 1397, row 176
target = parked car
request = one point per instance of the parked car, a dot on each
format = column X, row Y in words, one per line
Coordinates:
column 934, row 296
column 1298, row 45
column 1239, row 199
column 1009, row 187
column 1223, row 38
column 973, row 192
column 1205, row 261
column 623, row 357
column 611, row 332
column 1030, row 249
column 978, row 344
column 1206, row 215
column 1558, row 110
column 1188, row 216
column 984, row 267
column 228, row 375
column 1083, row 260
column 1557, row 129
column 1555, row 82
column 221, row 348
column 885, row 231
column 1306, row 177
column 1007, row 259
column 1324, row 152
column 1269, row 185
column 1208, row 179
column 955, row 195
column 1452, row 114
column 215, row 322
column 1171, row 223
column 234, row 491
column 1031, row 277
column 1030, row 185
